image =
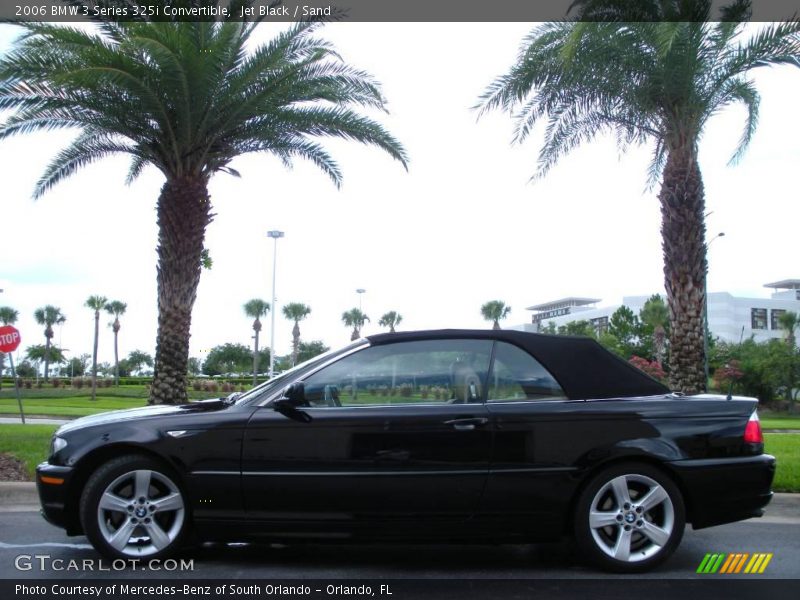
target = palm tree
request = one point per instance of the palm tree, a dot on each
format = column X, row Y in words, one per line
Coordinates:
column 789, row 322
column 296, row 311
column 256, row 309
column 202, row 98
column 354, row 318
column 494, row 310
column 657, row 77
column 96, row 303
column 8, row 316
column 391, row 320
column 38, row 352
column 48, row 316
column 116, row 308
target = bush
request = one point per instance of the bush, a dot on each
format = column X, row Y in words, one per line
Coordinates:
column 56, row 383
column 197, row 385
column 652, row 368
column 28, row 384
column 77, row 383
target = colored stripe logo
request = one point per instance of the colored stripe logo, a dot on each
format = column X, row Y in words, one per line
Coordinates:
column 738, row 562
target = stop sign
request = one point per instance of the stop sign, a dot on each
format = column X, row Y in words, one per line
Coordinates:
column 9, row 338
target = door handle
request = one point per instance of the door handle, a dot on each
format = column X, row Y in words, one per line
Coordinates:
column 466, row 424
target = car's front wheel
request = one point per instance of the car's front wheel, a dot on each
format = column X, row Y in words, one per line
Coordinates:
column 133, row 507
column 629, row 518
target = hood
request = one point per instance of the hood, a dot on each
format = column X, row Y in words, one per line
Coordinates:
column 146, row 412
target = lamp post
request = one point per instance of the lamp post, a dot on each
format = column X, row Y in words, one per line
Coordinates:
column 275, row 235
column 705, row 308
column 360, row 291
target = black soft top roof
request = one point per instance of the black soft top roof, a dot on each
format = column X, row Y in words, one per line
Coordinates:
column 582, row 367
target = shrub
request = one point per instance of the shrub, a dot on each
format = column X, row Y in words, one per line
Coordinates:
column 652, row 368
column 56, row 383
column 197, row 385
column 77, row 383
column 28, row 384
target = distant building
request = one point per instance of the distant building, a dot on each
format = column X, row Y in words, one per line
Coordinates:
column 727, row 314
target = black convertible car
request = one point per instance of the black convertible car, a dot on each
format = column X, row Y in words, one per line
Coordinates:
column 450, row 435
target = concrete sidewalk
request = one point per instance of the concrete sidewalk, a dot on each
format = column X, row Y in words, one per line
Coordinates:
column 34, row 421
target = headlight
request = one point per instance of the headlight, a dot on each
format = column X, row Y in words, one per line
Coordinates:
column 57, row 444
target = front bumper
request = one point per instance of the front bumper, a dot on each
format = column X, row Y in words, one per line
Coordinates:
column 725, row 490
column 53, row 484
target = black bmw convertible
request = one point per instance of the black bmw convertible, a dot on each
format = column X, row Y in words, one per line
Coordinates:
column 451, row 435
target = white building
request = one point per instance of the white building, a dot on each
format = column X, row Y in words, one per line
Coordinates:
column 727, row 314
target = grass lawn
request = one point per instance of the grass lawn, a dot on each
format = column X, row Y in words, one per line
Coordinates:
column 70, row 406
column 28, row 443
column 786, row 448
column 772, row 420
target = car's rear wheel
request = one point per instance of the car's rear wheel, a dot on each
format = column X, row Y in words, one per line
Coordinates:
column 133, row 507
column 629, row 518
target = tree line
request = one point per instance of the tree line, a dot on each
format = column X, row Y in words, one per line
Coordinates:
column 647, row 72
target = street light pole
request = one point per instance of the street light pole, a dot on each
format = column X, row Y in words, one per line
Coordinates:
column 705, row 309
column 360, row 291
column 275, row 235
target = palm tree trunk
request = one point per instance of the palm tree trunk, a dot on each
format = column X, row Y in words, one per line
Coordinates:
column 48, row 334
column 255, row 360
column 683, row 240
column 184, row 211
column 116, row 354
column 94, row 353
column 295, row 342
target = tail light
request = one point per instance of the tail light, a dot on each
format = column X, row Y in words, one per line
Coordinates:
column 752, row 431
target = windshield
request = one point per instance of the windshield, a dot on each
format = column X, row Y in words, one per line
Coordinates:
column 284, row 378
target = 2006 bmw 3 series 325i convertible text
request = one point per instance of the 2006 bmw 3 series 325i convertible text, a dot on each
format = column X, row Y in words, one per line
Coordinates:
column 451, row 435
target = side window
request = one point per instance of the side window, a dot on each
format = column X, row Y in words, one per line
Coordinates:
column 516, row 375
column 427, row 372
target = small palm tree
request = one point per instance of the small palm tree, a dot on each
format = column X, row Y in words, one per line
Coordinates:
column 204, row 94
column 256, row 308
column 116, row 308
column 391, row 320
column 789, row 322
column 494, row 311
column 296, row 311
column 96, row 303
column 354, row 318
column 8, row 316
column 48, row 316
column 652, row 72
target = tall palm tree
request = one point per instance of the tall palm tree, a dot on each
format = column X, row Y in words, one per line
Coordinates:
column 494, row 310
column 789, row 322
column 296, row 311
column 48, row 316
column 96, row 303
column 256, row 308
column 8, row 316
column 391, row 320
column 657, row 78
column 202, row 97
column 354, row 318
column 116, row 308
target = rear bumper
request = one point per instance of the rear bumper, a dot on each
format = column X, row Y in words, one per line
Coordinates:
column 725, row 490
column 54, row 496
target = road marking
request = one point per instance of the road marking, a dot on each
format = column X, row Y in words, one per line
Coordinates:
column 5, row 546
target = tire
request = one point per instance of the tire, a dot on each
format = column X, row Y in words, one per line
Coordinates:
column 629, row 518
column 132, row 507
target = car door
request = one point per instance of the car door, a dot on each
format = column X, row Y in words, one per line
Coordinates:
column 534, row 426
column 396, row 432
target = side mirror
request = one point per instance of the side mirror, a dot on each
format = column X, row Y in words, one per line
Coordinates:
column 294, row 396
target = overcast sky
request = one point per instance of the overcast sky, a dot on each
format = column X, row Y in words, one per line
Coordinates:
column 464, row 225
